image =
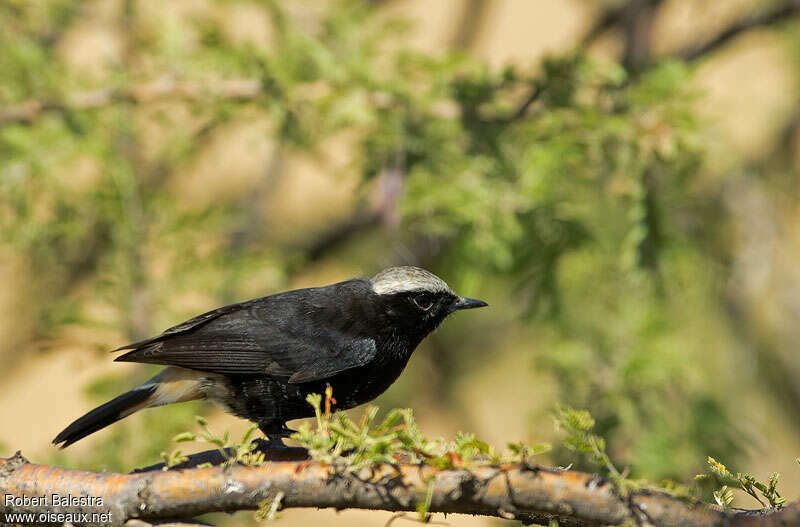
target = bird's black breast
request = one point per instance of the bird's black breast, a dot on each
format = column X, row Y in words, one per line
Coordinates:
column 358, row 315
column 270, row 401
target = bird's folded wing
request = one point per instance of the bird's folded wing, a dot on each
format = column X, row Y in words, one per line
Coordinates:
column 236, row 341
column 184, row 327
column 355, row 353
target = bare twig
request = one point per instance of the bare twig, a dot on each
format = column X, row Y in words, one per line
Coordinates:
column 608, row 19
column 536, row 91
column 628, row 14
column 767, row 18
column 508, row 491
column 360, row 221
column 473, row 17
column 637, row 19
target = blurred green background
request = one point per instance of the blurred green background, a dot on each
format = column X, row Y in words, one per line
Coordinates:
column 618, row 179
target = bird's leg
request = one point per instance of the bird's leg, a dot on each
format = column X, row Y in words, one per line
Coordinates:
column 274, row 447
column 270, row 443
column 274, row 436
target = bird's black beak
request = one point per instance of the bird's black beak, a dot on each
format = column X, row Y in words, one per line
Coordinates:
column 468, row 303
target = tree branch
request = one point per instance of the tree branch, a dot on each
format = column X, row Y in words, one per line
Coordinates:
column 162, row 89
column 533, row 96
column 362, row 219
column 608, row 19
column 767, row 18
column 637, row 19
column 514, row 491
column 472, row 20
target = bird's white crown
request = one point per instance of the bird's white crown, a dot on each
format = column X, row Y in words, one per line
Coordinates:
column 407, row 278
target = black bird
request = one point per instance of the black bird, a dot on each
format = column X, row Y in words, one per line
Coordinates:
column 259, row 359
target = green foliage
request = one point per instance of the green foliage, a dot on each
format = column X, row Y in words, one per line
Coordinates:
column 638, row 362
column 337, row 440
column 719, row 474
column 424, row 505
column 242, row 452
column 723, row 496
column 348, row 446
column 268, row 509
column 578, row 425
column 173, row 458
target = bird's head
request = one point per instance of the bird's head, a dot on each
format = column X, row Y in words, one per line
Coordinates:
column 418, row 297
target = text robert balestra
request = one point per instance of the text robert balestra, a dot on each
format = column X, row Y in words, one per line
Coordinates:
column 52, row 500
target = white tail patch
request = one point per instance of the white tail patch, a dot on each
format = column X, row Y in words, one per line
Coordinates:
column 173, row 385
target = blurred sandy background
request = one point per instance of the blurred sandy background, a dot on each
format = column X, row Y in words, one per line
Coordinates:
column 747, row 91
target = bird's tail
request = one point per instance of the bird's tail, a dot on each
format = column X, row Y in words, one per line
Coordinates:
column 172, row 385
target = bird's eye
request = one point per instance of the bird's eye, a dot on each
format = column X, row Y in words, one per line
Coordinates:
column 423, row 301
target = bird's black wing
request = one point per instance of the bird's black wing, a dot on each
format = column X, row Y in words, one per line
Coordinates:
column 184, row 327
column 284, row 335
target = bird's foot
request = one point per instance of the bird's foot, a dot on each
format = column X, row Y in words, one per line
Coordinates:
column 275, row 435
column 275, row 449
column 270, row 442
